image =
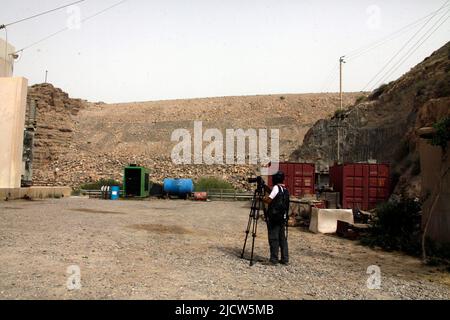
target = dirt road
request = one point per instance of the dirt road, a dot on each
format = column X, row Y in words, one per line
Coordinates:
column 185, row 250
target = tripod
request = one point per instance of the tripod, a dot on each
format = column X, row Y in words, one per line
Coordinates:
column 257, row 206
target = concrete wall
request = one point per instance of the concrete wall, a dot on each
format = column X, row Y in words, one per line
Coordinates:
column 13, row 96
column 35, row 193
column 6, row 61
column 433, row 165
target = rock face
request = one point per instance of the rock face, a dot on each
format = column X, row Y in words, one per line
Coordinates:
column 79, row 142
column 55, row 129
column 384, row 126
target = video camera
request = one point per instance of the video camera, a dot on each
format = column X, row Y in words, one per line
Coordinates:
column 258, row 180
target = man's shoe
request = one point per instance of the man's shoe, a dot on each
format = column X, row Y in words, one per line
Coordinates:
column 273, row 262
column 286, row 263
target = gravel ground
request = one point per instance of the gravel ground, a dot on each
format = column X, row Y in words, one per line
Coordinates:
column 185, row 250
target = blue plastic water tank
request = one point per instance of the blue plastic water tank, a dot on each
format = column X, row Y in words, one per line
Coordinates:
column 115, row 192
column 178, row 186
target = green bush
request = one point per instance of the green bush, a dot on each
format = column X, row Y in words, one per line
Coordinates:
column 98, row 184
column 208, row 183
column 378, row 92
column 339, row 114
column 396, row 226
column 442, row 135
column 420, row 87
column 437, row 253
column 442, row 87
column 361, row 99
column 75, row 192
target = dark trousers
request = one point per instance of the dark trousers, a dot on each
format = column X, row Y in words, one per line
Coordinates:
column 278, row 241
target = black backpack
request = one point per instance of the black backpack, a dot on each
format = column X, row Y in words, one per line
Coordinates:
column 279, row 207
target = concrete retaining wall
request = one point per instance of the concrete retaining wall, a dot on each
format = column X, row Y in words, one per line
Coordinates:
column 34, row 193
column 433, row 164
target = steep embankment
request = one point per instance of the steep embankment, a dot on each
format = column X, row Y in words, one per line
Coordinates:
column 384, row 127
column 79, row 144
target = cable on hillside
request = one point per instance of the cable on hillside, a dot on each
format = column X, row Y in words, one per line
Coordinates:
column 3, row 26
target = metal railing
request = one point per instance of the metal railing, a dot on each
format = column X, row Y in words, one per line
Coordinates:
column 228, row 194
column 213, row 194
column 95, row 193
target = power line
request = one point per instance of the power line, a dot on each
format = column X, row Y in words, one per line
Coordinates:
column 330, row 74
column 386, row 40
column 356, row 53
column 403, row 47
column 333, row 79
column 416, row 46
column 3, row 26
column 67, row 28
column 364, row 49
column 104, row 10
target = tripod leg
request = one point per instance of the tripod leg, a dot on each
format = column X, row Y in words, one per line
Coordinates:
column 255, row 227
column 247, row 231
column 249, row 224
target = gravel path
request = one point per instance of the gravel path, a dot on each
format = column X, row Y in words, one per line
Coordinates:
column 185, row 250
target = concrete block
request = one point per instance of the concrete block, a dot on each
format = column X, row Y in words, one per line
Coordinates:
column 325, row 220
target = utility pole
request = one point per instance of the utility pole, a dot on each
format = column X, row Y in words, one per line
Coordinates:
column 46, row 75
column 338, row 140
column 341, row 62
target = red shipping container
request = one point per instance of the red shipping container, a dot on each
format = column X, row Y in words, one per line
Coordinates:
column 299, row 178
column 361, row 185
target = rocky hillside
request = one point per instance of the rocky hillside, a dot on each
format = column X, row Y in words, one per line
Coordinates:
column 383, row 127
column 55, row 128
column 79, row 142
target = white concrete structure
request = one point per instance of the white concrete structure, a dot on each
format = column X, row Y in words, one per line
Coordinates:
column 325, row 220
column 13, row 99
column 6, row 59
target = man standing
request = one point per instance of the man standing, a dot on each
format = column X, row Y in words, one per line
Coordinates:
column 277, row 216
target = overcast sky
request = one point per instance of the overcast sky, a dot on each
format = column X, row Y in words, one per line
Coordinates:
column 152, row 50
